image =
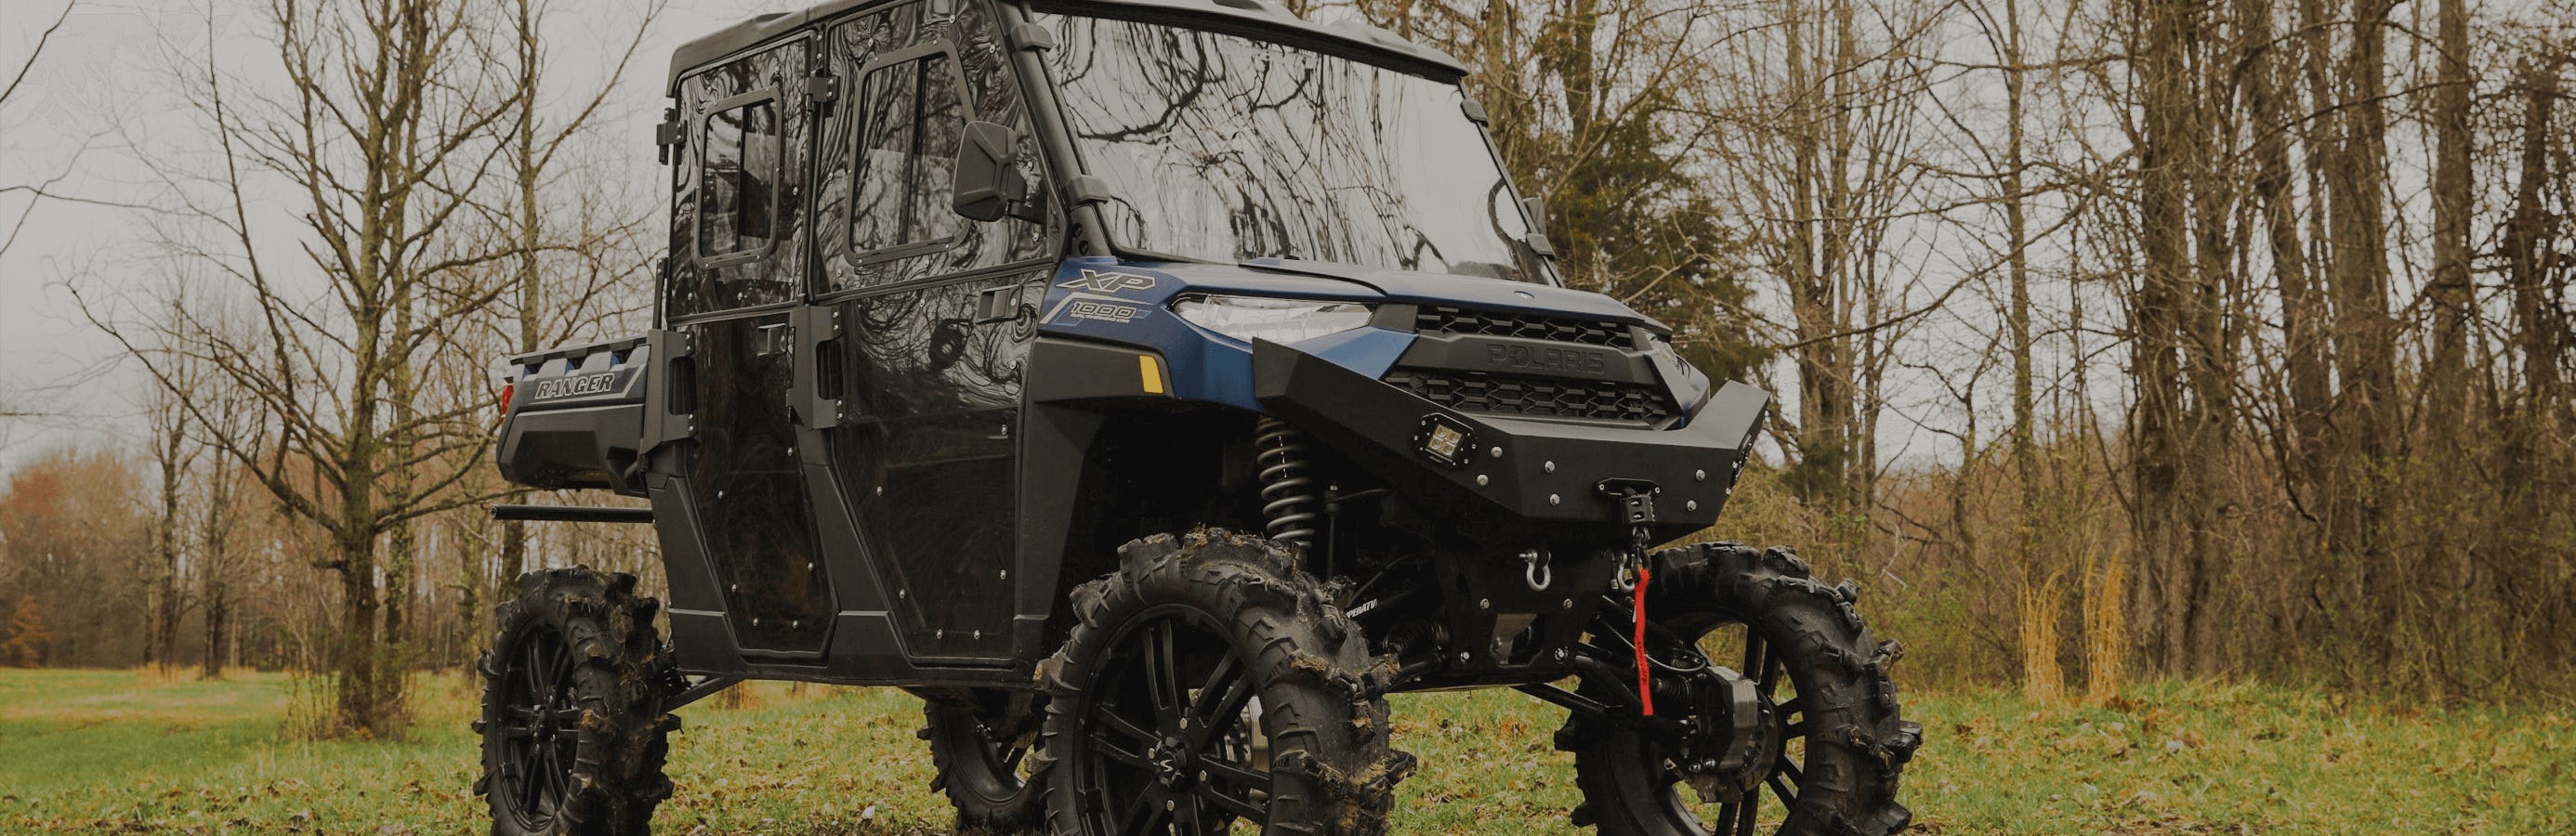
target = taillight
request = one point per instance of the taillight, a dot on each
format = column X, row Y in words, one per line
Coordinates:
column 507, row 389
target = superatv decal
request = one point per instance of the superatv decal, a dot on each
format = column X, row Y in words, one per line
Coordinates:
column 1096, row 308
column 1106, row 282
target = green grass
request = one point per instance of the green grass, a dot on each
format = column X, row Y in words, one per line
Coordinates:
column 104, row 750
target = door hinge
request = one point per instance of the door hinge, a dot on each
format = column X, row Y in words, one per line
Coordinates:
column 772, row 340
column 821, row 90
column 667, row 135
column 1032, row 37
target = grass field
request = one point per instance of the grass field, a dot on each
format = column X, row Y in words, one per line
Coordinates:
column 109, row 751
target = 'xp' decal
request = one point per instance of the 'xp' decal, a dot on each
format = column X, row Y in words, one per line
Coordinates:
column 1109, row 282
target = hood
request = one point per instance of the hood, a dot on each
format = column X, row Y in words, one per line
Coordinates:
column 1343, row 281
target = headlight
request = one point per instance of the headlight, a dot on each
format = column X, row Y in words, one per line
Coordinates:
column 1283, row 321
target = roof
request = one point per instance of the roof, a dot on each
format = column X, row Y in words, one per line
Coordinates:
column 1250, row 18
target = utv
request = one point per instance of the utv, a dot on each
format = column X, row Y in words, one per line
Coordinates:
column 1153, row 387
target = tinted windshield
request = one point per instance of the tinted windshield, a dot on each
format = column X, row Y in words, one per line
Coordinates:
column 1223, row 148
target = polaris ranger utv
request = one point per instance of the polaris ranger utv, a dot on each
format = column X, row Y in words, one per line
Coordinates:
column 1153, row 387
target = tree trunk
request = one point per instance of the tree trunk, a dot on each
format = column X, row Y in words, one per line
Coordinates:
column 2529, row 241
column 2025, row 445
column 2365, row 334
column 2165, row 146
column 366, row 692
column 2447, row 372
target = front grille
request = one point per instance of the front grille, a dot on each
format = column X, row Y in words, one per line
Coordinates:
column 1436, row 319
column 1546, row 397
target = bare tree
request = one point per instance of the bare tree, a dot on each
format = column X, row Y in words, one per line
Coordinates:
column 387, row 130
column 34, row 191
column 586, row 250
column 174, row 455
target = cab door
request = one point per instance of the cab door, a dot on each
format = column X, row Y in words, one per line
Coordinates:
column 740, row 250
column 935, row 312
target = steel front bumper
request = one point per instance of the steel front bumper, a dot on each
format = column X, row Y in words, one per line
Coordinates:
column 1517, row 473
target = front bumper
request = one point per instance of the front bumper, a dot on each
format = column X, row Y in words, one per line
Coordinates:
column 1518, row 478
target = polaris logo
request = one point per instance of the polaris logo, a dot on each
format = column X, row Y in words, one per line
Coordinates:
column 1109, row 282
column 573, row 387
column 1548, row 359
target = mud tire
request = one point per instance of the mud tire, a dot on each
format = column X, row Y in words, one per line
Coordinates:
column 1321, row 697
column 1856, row 745
column 991, row 796
column 602, row 743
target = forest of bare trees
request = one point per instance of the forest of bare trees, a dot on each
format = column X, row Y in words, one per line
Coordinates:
column 2113, row 337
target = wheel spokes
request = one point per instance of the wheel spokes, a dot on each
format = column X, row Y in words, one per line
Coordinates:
column 1187, row 819
column 1221, row 701
column 1163, row 675
column 1113, row 750
column 541, row 726
column 1240, row 808
column 1738, row 817
column 1145, row 813
column 529, row 784
column 1183, row 770
column 1222, row 773
column 535, row 670
column 521, row 722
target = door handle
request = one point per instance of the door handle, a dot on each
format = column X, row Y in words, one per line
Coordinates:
column 997, row 304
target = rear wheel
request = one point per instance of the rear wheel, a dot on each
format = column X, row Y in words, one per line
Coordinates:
column 980, row 743
column 1830, row 731
column 573, row 731
column 1210, row 686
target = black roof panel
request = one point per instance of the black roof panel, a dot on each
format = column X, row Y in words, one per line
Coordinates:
column 1250, row 18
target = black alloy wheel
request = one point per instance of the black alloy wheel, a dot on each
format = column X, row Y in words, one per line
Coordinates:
column 1210, row 686
column 574, row 735
column 1170, row 731
column 1828, row 746
column 539, row 731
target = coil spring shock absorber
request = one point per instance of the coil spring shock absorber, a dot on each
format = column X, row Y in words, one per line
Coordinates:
column 1288, row 497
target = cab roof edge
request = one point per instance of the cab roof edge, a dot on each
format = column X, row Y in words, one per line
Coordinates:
column 1243, row 14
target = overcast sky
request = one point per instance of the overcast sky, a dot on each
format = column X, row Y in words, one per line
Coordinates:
column 102, row 79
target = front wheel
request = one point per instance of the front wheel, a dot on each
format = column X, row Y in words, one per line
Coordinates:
column 1831, row 741
column 1210, row 686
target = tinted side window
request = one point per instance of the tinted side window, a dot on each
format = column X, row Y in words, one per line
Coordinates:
column 738, row 196
column 911, row 118
column 742, row 160
column 912, row 75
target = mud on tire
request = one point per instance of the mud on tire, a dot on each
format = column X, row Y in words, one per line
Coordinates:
column 977, row 740
column 1854, row 745
column 574, row 735
column 1210, row 683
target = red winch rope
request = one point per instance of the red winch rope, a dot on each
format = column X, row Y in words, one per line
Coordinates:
column 1645, row 678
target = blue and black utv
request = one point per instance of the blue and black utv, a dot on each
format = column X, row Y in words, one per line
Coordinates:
column 1153, row 387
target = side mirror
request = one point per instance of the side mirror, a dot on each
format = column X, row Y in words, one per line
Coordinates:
column 989, row 184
